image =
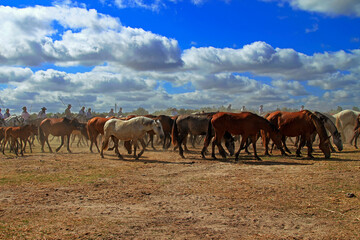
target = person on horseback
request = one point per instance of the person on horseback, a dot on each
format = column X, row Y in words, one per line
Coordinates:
column 42, row 113
column 68, row 112
column 111, row 113
column 120, row 113
column 261, row 110
column 82, row 114
column 88, row 114
column 25, row 115
column 7, row 113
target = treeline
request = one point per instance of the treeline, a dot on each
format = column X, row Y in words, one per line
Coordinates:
column 181, row 111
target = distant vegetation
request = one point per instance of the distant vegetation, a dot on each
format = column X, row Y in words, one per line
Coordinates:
column 180, row 111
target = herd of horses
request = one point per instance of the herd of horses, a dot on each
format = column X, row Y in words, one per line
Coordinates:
column 216, row 127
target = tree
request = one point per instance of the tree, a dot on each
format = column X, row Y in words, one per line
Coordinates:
column 139, row 111
column 355, row 109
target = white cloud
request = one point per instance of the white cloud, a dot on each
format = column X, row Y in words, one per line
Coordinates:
column 14, row 74
column 87, row 38
column 260, row 58
column 328, row 7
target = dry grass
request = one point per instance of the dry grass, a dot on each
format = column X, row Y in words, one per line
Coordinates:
column 161, row 196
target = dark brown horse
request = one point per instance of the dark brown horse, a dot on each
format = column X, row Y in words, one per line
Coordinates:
column 195, row 125
column 57, row 127
column 246, row 124
column 22, row 133
column 303, row 124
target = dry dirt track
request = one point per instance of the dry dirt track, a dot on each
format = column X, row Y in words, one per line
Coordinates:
column 161, row 196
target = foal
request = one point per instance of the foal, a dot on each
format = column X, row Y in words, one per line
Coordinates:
column 23, row 133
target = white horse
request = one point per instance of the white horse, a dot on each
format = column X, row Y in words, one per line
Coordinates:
column 14, row 121
column 130, row 130
column 345, row 123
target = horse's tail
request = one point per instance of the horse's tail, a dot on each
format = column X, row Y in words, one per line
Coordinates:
column 209, row 134
column 174, row 132
column 106, row 144
column 41, row 135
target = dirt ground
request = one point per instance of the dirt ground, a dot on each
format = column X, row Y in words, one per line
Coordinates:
column 162, row 196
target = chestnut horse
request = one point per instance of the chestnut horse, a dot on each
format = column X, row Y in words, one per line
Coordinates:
column 246, row 124
column 95, row 126
column 303, row 124
column 57, row 127
column 22, row 133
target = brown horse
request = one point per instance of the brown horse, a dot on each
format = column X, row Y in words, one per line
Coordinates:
column 303, row 124
column 57, row 127
column 246, row 124
column 95, row 126
column 22, row 133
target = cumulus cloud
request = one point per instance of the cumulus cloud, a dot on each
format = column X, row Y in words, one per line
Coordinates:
column 14, row 74
column 261, row 58
column 328, row 7
column 87, row 38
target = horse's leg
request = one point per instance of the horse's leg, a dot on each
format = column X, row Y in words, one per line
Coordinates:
column 169, row 142
column 164, row 140
column 104, row 145
column 309, row 146
column 47, row 141
column 116, row 146
column 4, row 144
column 21, row 148
column 283, row 139
column 135, row 147
column 29, row 145
column 355, row 142
column 193, row 140
column 266, row 140
column 354, row 137
column 73, row 137
column 301, row 144
column 243, row 140
column 185, row 143
column 61, row 144
column 253, row 140
column 143, row 148
column 206, row 144
column 248, row 142
column 151, row 139
column 68, row 142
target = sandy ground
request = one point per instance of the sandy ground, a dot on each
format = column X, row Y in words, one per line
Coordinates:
column 162, row 196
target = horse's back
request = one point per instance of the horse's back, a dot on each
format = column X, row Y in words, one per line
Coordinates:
column 126, row 129
column 237, row 123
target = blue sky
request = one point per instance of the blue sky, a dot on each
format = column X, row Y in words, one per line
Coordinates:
column 179, row 53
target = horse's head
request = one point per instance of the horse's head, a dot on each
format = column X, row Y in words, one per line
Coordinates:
column 157, row 128
column 229, row 143
column 325, row 147
column 337, row 141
